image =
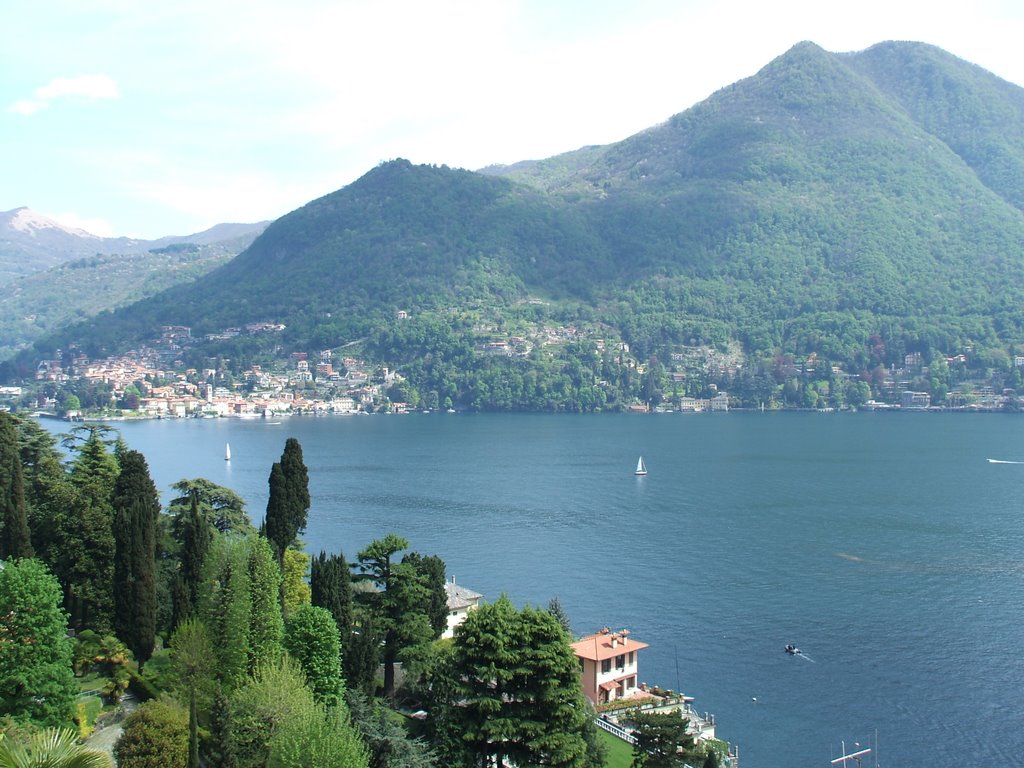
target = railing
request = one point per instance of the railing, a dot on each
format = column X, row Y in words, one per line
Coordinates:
column 615, row 730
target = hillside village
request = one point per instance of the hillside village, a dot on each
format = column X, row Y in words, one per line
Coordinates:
column 152, row 381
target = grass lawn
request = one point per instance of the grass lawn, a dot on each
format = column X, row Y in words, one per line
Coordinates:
column 620, row 754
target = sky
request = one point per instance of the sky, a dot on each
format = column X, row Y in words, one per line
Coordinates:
column 144, row 119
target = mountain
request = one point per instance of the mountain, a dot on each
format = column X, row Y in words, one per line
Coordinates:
column 826, row 203
column 35, row 304
column 31, row 242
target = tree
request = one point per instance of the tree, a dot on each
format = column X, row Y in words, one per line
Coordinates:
column 289, row 501
column 220, row 750
column 277, row 722
column 51, row 748
column 311, row 638
column 36, row 680
column 294, row 587
column 136, row 510
column 555, row 609
column 431, row 570
column 330, row 585
column 400, row 603
column 14, row 538
column 90, row 536
column 662, row 740
column 513, row 690
column 226, row 608
column 388, row 742
column 192, row 661
column 223, row 509
column 196, row 535
column 266, row 626
column 155, row 736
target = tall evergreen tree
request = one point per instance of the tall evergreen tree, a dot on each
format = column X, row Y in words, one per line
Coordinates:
column 136, row 510
column 288, row 505
column 330, row 584
column 513, row 691
column 89, row 545
column 311, row 637
column 14, row 537
column 220, row 752
column 431, row 571
column 36, row 681
column 226, row 608
column 196, row 536
column 266, row 627
column 400, row 603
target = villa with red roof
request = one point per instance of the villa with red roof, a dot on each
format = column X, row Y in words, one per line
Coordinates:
column 609, row 663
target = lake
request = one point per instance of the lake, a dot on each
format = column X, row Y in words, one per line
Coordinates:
column 884, row 545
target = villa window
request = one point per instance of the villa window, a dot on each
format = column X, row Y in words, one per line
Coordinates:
column 620, row 661
column 631, row 658
column 606, row 666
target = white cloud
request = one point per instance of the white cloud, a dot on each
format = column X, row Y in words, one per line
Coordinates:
column 83, row 87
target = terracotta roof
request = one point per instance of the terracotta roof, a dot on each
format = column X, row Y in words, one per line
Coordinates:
column 599, row 647
column 459, row 597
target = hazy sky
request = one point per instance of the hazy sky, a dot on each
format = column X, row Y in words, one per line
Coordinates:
column 140, row 118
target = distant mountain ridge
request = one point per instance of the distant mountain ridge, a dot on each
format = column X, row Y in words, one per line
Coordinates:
column 31, row 242
column 824, row 203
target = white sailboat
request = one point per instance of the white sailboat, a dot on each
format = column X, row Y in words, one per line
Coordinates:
column 227, row 452
column 641, row 468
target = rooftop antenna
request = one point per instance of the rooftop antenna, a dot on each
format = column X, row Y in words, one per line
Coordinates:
column 855, row 756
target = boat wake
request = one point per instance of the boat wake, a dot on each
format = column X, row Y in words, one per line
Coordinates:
column 1001, row 461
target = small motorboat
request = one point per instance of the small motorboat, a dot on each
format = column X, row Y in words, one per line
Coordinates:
column 792, row 650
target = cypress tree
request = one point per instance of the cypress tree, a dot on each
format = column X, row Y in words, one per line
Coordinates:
column 431, row 570
column 14, row 540
column 266, row 626
column 330, row 583
column 221, row 752
column 136, row 510
column 289, row 500
column 196, row 536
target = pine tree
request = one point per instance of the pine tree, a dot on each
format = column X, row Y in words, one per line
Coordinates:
column 136, row 511
column 400, row 605
column 14, row 537
column 288, row 505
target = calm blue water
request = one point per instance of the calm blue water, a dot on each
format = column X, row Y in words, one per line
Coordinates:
column 884, row 545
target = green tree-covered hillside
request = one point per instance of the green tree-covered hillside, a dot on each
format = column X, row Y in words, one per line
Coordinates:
column 826, row 200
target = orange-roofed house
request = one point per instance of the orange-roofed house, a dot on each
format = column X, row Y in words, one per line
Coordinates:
column 609, row 663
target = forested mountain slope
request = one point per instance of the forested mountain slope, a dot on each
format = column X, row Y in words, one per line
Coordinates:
column 825, row 200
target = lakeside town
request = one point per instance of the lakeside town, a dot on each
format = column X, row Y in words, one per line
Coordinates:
column 152, row 381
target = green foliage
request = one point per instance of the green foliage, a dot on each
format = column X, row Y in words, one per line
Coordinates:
column 431, row 571
column 155, row 736
column 266, row 626
column 222, row 508
column 388, row 742
column 289, row 501
column 107, row 656
column 136, row 511
column 275, row 718
column 295, row 590
column 15, row 540
column 36, row 681
column 330, row 585
column 226, row 608
column 512, row 691
column 662, row 740
column 399, row 607
column 50, row 748
column 311, row 638
column 196, row 534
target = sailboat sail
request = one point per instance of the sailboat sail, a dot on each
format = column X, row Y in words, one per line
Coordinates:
column 641, row 469
column 227, row 452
